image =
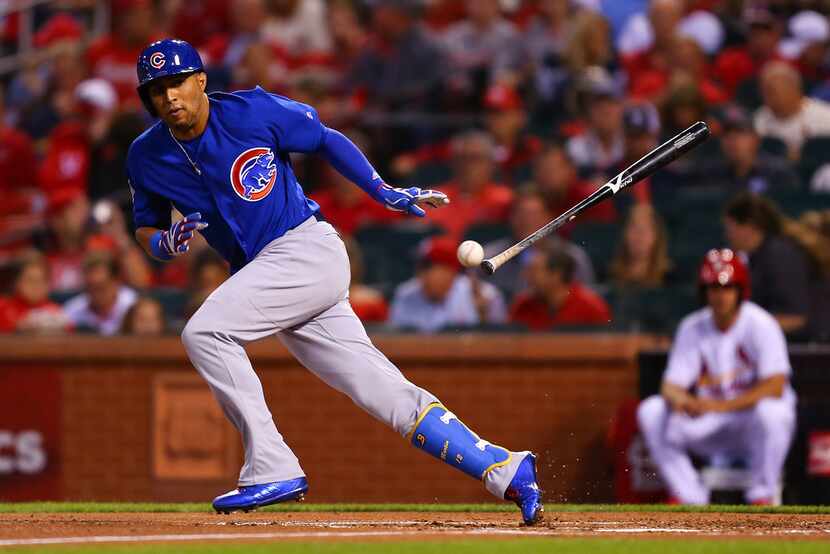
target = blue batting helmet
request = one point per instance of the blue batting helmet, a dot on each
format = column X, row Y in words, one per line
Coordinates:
column 161, row 59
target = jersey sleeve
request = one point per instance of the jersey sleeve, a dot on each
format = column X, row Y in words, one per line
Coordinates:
column 149, row 209
column 773, row 358
column 296, row 126
column 684, row 359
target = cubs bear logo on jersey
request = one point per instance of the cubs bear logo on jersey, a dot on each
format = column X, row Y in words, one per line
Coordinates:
column 157, row 60
column 254, row 173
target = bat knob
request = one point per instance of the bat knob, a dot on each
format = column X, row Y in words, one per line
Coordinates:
column 488, row 267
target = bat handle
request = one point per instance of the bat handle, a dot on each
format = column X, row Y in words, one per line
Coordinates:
column 488, row 267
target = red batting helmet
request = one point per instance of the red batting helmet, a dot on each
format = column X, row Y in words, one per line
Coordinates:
column 723, row 267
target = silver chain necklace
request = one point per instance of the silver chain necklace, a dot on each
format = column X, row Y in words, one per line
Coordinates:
column 192, row 163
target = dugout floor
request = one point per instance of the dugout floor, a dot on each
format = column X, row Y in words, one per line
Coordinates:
column 84, row 528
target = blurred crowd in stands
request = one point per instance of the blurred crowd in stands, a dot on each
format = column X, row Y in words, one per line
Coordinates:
column 517, row 109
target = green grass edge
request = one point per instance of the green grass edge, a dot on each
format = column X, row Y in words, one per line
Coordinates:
column 203, row 507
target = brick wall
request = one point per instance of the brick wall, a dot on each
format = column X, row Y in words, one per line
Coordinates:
column 554, row 395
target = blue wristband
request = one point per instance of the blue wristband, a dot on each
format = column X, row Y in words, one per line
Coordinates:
column 156, row 249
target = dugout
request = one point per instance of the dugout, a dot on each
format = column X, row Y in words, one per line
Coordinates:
column 807, row 472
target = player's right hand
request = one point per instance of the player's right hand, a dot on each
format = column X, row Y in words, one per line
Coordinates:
column 407, row 200
column 176, row 241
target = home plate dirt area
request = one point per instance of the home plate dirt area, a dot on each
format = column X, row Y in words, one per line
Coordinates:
column 18, row 529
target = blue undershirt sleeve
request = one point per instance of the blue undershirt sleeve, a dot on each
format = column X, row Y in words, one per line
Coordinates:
column 347, row 159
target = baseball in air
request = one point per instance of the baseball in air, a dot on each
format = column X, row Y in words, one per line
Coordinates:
column 470, row 253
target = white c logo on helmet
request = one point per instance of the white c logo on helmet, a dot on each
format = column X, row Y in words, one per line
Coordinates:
column 157, row 60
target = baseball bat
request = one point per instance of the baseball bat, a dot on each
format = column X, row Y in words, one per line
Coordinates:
column 639, row 170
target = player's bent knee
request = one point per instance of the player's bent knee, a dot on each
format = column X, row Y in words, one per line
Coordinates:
column 651, row 413
column 441, row 434
column 774, row 414
column 196, row 333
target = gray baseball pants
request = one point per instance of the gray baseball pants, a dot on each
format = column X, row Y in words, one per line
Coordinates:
column 297, row 289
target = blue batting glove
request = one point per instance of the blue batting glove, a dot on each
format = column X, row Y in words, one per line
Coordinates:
column 175, row 242
column 407, row 200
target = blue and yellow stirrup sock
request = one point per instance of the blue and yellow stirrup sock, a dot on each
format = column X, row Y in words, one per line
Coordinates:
column 438, row 432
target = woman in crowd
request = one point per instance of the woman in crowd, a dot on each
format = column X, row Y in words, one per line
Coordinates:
column 642, row 257
column 145, row 318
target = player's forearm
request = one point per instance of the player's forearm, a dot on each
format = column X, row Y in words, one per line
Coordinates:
column 772, row 387
column 349, row 161
column 675, row 395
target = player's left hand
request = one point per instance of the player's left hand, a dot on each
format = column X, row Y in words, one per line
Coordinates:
column 407, row 200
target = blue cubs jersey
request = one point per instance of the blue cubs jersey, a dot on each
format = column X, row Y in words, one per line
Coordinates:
column 237, row 173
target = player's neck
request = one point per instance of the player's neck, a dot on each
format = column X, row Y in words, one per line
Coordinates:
column 195, row 130
column 725, row 321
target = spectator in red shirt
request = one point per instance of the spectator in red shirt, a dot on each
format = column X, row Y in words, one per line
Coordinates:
column 475, row 196
column 687, row 62
column 556, row 177
column 259, row 66
column 555, row 298
column 347, row 33
column 59, row 36
column 18, row 176
column 195, row 21
column 347, row 207
column 506, row 120
column 228, row 49
column 66, row 166
column 68, row 216
column 737, row 64
column 29, row 308
column 113, row 56
column 664, row 16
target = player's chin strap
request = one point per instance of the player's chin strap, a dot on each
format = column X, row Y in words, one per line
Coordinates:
column 438, row 432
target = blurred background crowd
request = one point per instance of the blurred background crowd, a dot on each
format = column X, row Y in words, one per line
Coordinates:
column 517, row 109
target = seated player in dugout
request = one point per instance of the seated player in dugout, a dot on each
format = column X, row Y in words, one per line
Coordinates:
column 725, row 392
column 223, row 160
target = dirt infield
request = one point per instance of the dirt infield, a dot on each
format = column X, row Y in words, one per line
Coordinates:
column 66, row 528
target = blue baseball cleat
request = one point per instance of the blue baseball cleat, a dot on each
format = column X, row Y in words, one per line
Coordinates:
column 254, row 496
column 524, row 491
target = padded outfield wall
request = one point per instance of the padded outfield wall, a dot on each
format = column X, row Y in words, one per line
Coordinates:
column 129, row 420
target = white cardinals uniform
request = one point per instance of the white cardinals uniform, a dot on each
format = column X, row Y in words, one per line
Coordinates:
column 723, row 365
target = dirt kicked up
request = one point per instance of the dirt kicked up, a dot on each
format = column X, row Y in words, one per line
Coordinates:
column 21, row 529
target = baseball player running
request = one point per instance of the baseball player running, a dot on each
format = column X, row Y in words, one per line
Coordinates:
column 223, row 160
column 726, row 389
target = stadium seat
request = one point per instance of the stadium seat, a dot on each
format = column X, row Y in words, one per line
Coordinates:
column 484, row 233
column 173, row 301
column 793, row 203
column 814, row 154
column 599, row 240
column 429, row 175
column 774, row 146
column 650, row 310
column 389, row 252
column 61, row 297
column 676, row 205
